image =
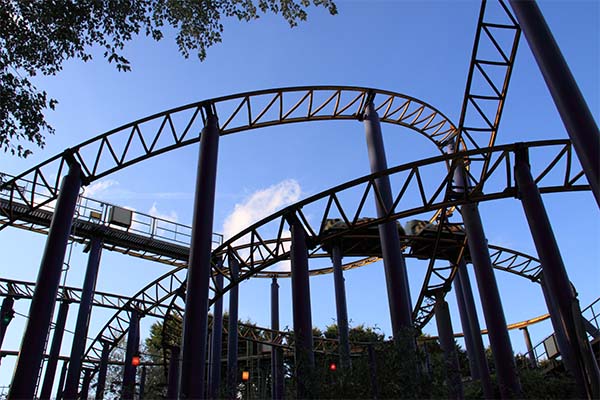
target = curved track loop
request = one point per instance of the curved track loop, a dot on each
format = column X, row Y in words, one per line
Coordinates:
column 555, row 171
column 179, row 127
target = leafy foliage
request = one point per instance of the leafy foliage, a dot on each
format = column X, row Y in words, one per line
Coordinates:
column 38, row 36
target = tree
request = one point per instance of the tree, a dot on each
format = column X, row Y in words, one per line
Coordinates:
column 36, row 37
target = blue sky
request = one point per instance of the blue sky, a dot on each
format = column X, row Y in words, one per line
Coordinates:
column 421, row 49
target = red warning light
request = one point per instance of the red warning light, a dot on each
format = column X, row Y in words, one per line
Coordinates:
column 332, row 367
column 135, row 361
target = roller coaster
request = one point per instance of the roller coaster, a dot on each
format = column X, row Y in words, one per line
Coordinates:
column 203, row 267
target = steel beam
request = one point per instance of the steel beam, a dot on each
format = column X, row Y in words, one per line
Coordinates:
column 142, row 383
column 276, row 353
column 59, row 329
column 340, row 305
column 85, row 385
column 173, row 375
column 373, row 371
column 394, row 264
column 6, row 315
column 232, row 329
column 217, row 338
column 101, row 382
column 569, row 101
column 446, row 337
column 471, row 327
column 303, row 338
column 195, row 325
column 83, row 319
column 61, row 380
column 529, row 346
column 44, row 298
column 133, row 342
column 564, row 306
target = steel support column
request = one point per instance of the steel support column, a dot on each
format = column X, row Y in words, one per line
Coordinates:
column 101, row 383
column 303, row 339
column 554, row 275
column 133, row 343
column 569, row 101
column 232, row 329
column 446, row 337
column 373, row 371
column 44, row 296
column 61, row 380
column 491, row 303
column 276, row 353
column 142, row 383
column 340, row 305
column 217, row 337
column 529, row 346
column 83, row 319
column 173, row 375
column 395, row 266
column 193, row 351
column 6, row 315
column 59, row 329
column 85, row 385
column 470, row 323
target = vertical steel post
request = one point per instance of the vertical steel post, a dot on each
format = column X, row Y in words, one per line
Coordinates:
column 446, row 336
column 464, row 322
column 303, row 339
column 46, row 288
column 6, row 315
column 393, row 260
column 373, row 371
column 232, row 328
column 83, row 318
column 217, row 338
column 468, row 311
column 85, row 385
column 195, row 324
column 569, row 101
column 59, row 329
column 101, row 383
column 173, row 375
column 142, row 383
column 340, row 305
column 529, row 346
column 276, row 353
column 61, row 380
column 508, row 379
column 556, row 279
column 133, row 342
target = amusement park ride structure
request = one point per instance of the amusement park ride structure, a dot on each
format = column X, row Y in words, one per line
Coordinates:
column 46, row 199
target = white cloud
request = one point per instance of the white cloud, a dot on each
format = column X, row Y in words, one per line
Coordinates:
column 99, row 188
column 171, row 216
column 260, row 204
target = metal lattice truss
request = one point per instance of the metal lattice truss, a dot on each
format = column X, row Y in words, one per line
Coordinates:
column 179, row 127
column 555, row 171
column 492, row 60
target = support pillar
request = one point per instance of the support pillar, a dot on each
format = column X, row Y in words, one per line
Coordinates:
column 61, row 380
column 83, row 319
column 100, row 385
column 446, row 336
column 341, row 307
column 133, row 343
column 85, row 386
column 470, row 323
column 393, row 260
column 6, row 315
column 142, row 383
column 529, row 346
column 569, row 101
column 59, row 329
column 173, row 375
column 44, row 296
column 232, row 328
column 193, row 351
column 373, row 371
column 276, row 353
column 565, row 308
column 217, row 337
column 303, row 339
